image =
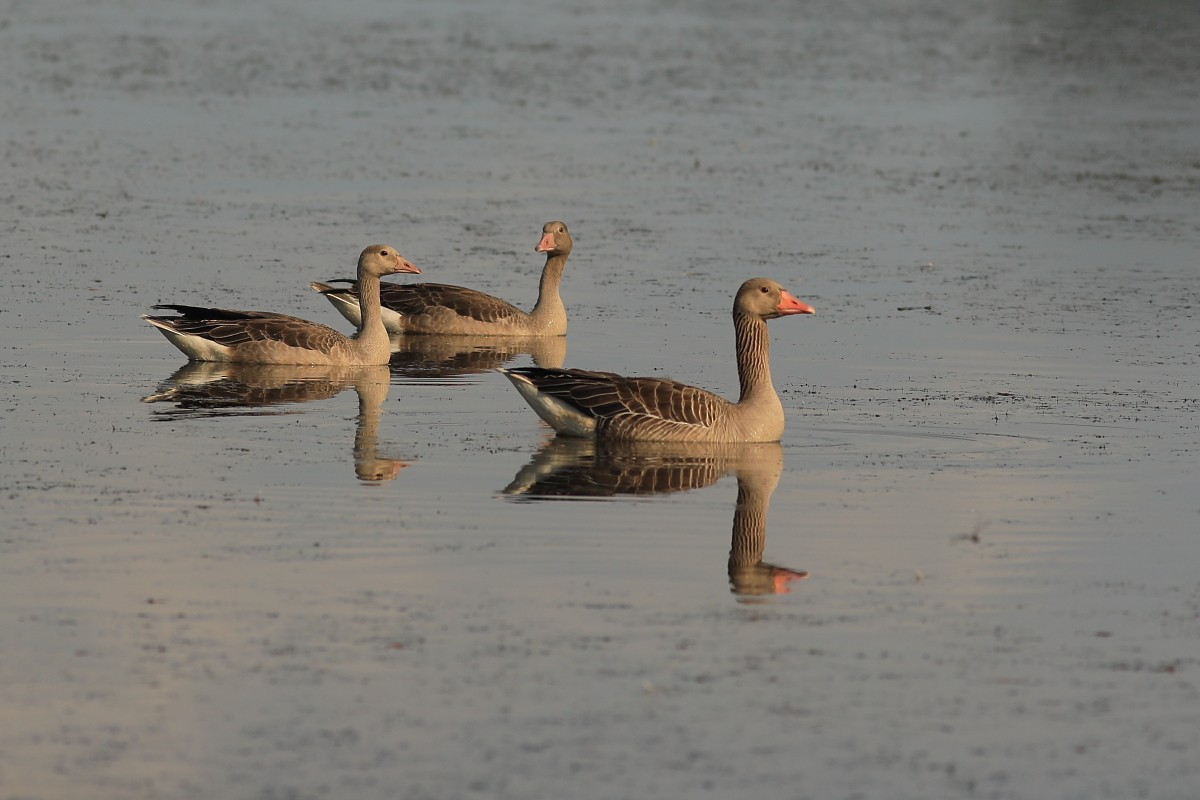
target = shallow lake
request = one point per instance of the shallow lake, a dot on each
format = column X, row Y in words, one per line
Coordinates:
column 969, row 568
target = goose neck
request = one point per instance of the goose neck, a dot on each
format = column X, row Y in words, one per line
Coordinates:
column 368, row 300
column 752, row 346
column 549, row 303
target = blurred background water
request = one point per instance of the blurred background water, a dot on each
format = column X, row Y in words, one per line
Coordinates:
column 981, row 522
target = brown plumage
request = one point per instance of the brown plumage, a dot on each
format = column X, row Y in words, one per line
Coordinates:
column 263, row 337
column 603, row 404
column 440, row 308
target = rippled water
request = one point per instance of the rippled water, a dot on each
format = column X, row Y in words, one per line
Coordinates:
column 967, row 570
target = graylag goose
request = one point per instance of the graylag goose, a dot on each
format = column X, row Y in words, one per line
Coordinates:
column 439, row 308
column 262, row 337
column 581, row 403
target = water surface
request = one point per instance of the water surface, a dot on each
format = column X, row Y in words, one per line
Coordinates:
column 967, row 570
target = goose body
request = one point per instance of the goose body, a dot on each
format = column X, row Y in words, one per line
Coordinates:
column 583, row 403
column 439, row 308
column 263, row 337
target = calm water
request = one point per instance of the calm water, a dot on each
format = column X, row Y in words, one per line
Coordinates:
column 969, row 569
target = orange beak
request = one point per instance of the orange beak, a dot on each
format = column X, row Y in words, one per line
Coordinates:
column 404, row 265
column 547, row 244
column 790, row 305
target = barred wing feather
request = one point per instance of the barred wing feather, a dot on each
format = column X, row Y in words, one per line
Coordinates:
column 231, row 328
column 621, row 403
column 421, row 298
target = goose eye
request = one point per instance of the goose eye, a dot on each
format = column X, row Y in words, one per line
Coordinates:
column 764, row 290
column 384, row 253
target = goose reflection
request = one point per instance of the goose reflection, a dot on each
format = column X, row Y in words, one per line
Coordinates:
column 587, row 468
column 436, row 356
column 210, row 389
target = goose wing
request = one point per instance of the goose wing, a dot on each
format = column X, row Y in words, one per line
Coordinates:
column 416, row 299
column 620, row 402
column 231, row 328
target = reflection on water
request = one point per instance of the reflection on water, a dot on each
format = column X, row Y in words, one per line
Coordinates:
column 206, row 389
column 432, row 356
column 566, row 468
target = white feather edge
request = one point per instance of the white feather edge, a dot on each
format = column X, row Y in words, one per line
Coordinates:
column 348, row 307
column 196, row 347
column 565, row 419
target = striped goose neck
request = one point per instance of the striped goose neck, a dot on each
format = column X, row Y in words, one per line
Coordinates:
column 752, row 344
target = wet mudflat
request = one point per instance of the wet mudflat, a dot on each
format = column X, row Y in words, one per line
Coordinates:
column 969, row 568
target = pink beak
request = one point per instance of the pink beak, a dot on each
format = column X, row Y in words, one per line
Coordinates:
column 790, row 305
column 404, row 265
column 546, row 244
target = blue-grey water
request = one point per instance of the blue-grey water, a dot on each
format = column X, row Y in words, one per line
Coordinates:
column 969, row 569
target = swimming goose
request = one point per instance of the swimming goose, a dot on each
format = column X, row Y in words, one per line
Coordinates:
column 262, row 337
column 444, row 309
column 582, row 403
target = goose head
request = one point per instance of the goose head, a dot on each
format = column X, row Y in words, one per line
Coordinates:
column 766, row 299
column 555, row 240
column 381, row 259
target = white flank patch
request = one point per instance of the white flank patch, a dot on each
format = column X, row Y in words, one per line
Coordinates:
column 349, row 308
column 194, row 347
column 565, row 419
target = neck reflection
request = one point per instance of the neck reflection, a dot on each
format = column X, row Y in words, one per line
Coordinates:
column 586, row 468
column 205, row 389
